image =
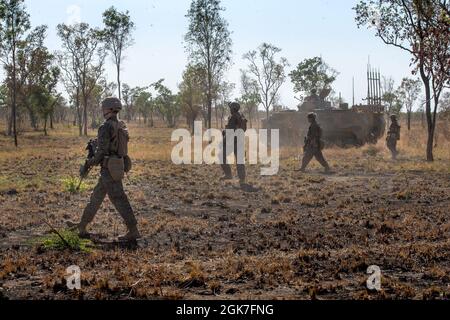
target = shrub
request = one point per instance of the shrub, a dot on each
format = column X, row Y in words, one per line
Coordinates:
column 71, row 185
column 71, row 241
column 371, row 151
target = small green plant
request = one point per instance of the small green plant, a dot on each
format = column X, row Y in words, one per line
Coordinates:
column 64, row 239
column 371, row 151
column 71, row 185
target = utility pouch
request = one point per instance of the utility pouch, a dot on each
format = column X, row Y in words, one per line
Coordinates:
column 128, row 164
column 116, row 168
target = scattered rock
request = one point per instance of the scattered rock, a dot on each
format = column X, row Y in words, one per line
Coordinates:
column 12, row 192
column 232, row 291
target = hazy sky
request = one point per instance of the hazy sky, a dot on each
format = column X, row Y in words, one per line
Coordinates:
column 301, row 28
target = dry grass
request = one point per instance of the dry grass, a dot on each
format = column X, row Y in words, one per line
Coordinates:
column 304, row 236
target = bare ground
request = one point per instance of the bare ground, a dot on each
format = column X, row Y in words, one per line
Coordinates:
column 303, row 236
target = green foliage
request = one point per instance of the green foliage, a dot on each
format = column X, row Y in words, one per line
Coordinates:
column 208, row 42
column 71, row 241
column 145, row 105
column 14, row 23
column 70, row 185
column 408, row 92
column 250, row 98
column 3, row 96
column 192, row 90
column 82, row 61
column 445, row 104
column 268, row 73
column 312, row 74
column 117, row 31
column 391, row 96
column 208, row 30
column 167, row 104
column 117, row 36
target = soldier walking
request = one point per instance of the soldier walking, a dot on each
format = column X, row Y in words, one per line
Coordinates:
column 393, row 137
column 112, row 156
column 314, row 145
column 236, row 121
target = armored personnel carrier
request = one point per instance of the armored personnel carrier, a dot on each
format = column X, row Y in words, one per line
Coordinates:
column 343, row 126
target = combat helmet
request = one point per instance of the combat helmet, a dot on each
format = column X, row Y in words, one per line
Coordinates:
column 234, row 106
column 111, row 104
column 312, row 116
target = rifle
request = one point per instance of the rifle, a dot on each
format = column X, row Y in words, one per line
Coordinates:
column 91, row 148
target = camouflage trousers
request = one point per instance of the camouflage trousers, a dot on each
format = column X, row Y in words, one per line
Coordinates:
column 311, row 153
column 392, row 146
column 227, row 168
column 107, row 186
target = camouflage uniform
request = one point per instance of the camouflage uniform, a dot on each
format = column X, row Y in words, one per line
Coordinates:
column 233, row 124
column 313, row 147
column 392, row 137
column 106, row 185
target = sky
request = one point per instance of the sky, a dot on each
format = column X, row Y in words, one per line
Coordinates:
column 301, row 28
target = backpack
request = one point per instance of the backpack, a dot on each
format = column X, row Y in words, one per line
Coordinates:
column 120, row 139
column 119, row 144
column 242, row 122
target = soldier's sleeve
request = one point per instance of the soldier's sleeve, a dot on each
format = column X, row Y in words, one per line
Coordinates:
column 308, row 136
column 103, row 140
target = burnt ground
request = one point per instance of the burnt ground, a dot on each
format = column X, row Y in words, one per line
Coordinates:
column 303, row 236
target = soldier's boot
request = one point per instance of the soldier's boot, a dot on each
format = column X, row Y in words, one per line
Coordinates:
column 307, row 157
column 394, row 154
column 241, row 173
column 227, row 172
column 132, row 235
column 81, row 229
column 246, row 187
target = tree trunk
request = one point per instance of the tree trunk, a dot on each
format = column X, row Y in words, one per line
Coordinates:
column 14, row 102
column 80, row 118
column 118, row 81
column 209, row 125
column 45, row 125
column 51, row 121
column 430, row 124
column 192, row 124
column 10, row 123
column 217, row 113
column 409, row 120
column 436, row 104
column 33, row 120
column 85, row 115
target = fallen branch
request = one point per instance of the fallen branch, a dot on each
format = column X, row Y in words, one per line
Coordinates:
column 57, row 233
